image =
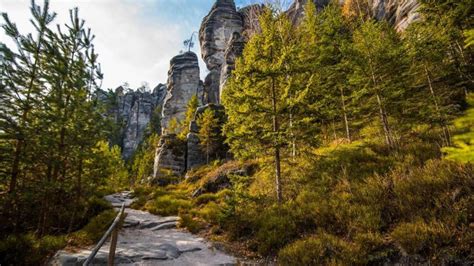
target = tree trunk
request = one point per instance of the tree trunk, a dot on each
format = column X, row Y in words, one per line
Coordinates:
column 276, row 128
column 344, row 112
column 384, row 120
column 383, row 114
column 446, row 134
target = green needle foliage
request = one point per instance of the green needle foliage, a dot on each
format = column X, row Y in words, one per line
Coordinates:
column 53, row 155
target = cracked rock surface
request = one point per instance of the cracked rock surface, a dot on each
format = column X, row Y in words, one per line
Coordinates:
column 148, row 239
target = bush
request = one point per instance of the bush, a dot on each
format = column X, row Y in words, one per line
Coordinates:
column 205, row 198
column 167, row 205
column 422, row 238
column 94, row 230
column 193, row 225
column 275, row 227
column 27, row 249
column 320, row 249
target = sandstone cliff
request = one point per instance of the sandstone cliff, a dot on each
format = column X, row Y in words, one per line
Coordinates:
column 131, row 112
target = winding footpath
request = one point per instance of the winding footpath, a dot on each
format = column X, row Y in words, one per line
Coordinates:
column 147, row 239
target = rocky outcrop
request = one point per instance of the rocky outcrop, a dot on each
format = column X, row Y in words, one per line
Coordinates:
column 216, row 30
column 399, row 13
column 131, row 111
column 183, row 84
column 220, row 179
column 170, row 158
column 195, row 153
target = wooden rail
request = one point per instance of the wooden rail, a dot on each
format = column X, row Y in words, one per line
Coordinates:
column 113, row 229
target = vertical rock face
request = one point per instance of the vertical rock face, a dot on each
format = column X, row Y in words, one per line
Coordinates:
column 234, row 49
column 142, row 109
column 216, row 30
column 399, row 13
column 183, row 84
column 131, row 112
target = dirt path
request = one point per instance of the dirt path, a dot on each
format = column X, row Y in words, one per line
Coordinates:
column 148, row 239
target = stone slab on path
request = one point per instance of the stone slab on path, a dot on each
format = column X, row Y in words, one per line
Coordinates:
column 147, row 239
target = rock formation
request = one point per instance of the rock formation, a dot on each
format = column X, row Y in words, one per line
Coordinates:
column 216, row 30
column 170, row 158
column 183, row 84
column 131, row 111
column 234, row 49
column 399, row 13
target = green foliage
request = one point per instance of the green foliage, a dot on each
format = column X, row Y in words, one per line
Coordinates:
column 107, row 162
column 191, row 107
column 191, row 224
column 94, row 230
column 29, row 249
column 323, row 249
column 463, row 150
column 209, row 132
column 167, row 205
column 422, row 238
column 143, row 159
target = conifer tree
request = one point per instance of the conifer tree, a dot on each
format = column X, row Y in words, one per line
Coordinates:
column 257, row 95
column 208, row 132
column 378, row 69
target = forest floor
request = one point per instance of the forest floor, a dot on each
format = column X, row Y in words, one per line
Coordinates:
column 147, row 239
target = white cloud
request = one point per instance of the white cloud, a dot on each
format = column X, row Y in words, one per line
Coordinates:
column 134, row 39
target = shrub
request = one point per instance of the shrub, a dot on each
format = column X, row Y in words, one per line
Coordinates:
column 421, row 238
column 93, row 231
column 211, row 212
column 192, row 224
column 275, row 227
column 320, row 249
column 167, row 205
column 27, row 249
column 205, row 198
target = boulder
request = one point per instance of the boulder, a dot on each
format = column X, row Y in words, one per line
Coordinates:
column 221, row 178
column 170, row 158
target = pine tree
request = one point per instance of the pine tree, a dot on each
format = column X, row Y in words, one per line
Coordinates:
column 256, row 97
column 378, row 69
column 325, row 36
column 430, row 68
column 208, row 132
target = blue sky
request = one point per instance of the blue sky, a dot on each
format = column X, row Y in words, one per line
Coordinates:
column 135, row 39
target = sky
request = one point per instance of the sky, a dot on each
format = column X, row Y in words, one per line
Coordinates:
column 135, row 39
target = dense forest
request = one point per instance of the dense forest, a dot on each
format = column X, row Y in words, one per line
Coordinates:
column 349, row 143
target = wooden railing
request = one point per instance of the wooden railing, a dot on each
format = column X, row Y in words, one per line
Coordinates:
column 113, row 229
